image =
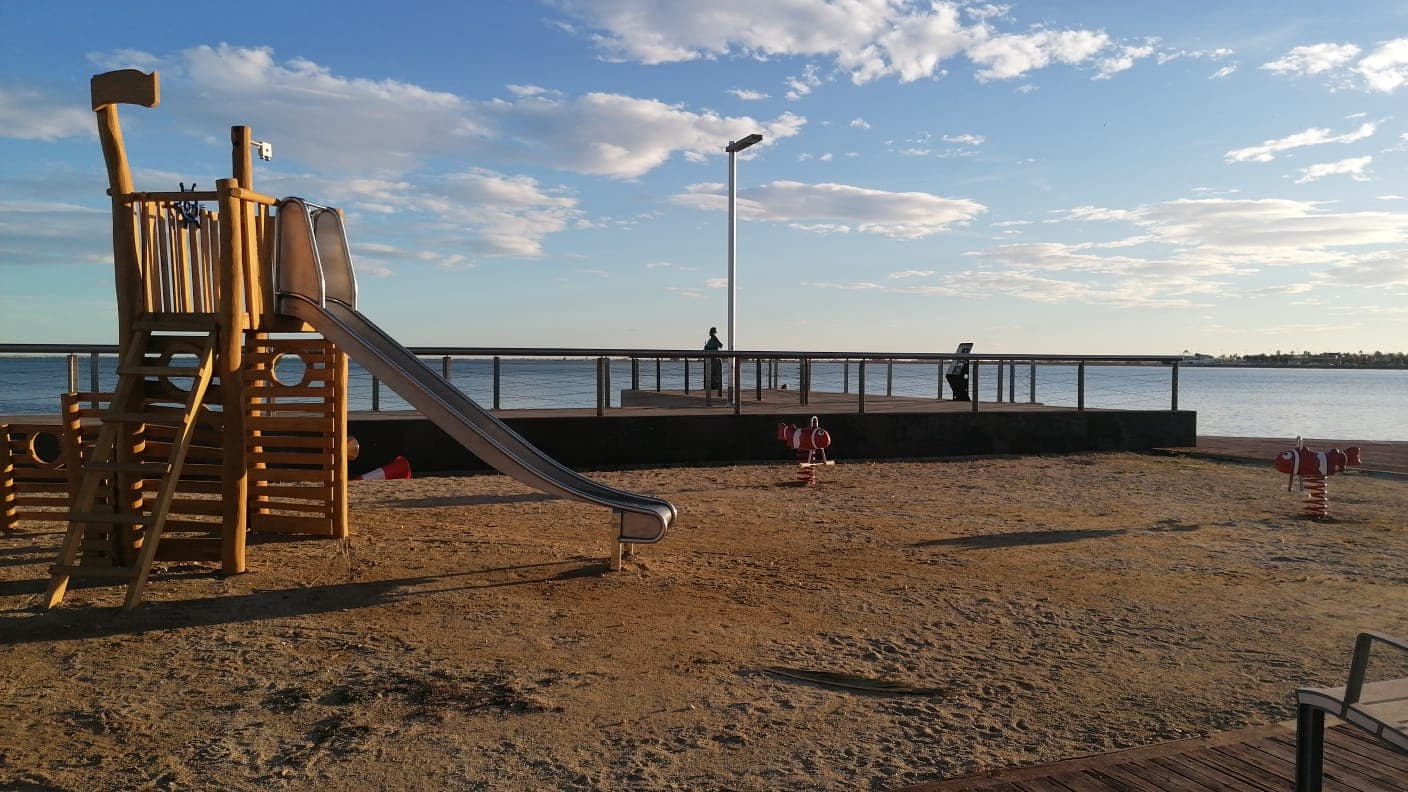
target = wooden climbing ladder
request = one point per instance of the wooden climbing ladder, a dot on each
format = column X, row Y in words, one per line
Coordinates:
column 113, row 530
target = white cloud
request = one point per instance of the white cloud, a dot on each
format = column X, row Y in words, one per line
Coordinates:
column 821, row 228
column 911, row 274
column 1384, row 269
column 1267, row 150
column 1191, row 251
column 30, row 115
column 1353, row 167
column 1384, row 70
column 532, row 90
column 54, row 233
column 333, row 122
column 854, row 286
column 907, row 215
column 966, row 139
column 1209, row 54
column 476, row 212
column 1008, row 56
column 866, row 39
column 859, row 123
column 1124, row 59
column 1223, row 73
column 1313, row 59
column 802, row 84
column 746, row 95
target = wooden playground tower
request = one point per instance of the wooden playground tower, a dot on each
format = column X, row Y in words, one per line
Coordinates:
column 201, row 442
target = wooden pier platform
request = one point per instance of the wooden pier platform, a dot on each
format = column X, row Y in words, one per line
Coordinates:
column 1259, row 759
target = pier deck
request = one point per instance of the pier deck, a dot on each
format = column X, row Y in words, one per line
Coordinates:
column 1260, row 759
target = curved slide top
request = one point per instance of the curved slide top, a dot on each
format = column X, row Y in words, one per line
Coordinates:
column 315, row 284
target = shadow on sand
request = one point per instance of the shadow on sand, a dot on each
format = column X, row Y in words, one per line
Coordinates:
column 1020, row 539
column 82, row 622
column 469, row 500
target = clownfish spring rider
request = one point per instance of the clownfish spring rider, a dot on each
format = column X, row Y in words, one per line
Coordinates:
column 1312, row 467
column 810, row 443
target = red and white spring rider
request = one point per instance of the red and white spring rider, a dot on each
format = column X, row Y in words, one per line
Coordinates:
column 810, row 443
column 398, row 468
column 1312, row 467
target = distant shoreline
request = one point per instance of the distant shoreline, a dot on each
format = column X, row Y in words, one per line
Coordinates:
column 1334, row 367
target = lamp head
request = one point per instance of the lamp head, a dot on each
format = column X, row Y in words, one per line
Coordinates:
column 738, row 145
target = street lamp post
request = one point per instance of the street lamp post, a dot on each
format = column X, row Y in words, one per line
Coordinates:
column 733, row 147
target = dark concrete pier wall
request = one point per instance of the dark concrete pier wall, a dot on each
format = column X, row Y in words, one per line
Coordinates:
column 588, row 441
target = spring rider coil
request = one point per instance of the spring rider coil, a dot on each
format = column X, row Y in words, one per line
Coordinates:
column 810, row 443
column 1312, row 467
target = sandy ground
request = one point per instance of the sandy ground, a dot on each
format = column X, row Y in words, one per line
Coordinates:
column 466, row 637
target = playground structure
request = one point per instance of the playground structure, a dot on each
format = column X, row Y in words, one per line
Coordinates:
column 1313, row 467
column 810, row 443
column 230, row 411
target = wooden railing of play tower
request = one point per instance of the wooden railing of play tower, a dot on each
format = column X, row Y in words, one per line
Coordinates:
column 270, row 451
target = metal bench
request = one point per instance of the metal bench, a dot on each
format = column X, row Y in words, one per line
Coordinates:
column 1379, row 708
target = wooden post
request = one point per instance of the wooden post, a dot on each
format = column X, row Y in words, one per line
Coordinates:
column 127, row 86
column 230, row 327
column 340, row 527
column 241, row 157
column 124, row 237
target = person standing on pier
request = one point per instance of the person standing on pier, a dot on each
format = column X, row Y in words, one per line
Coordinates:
column 716, row 366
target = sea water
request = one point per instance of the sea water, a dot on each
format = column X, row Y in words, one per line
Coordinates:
column 1344, row 404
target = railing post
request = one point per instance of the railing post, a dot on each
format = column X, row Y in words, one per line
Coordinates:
column 606, row 379
column 973, row 392
column 846, row 376
column 1174, row 387
column 445, row 367
column 657, row 375
column 1012, row 382
column 1031, row 386
column 889, row 378
column 999, row 382
column 376, row 394
column 860, row 385
column 1080, row 386
column 95, row 381
column 600, row 387
column 73, row 372
column 939, row 391
column 497, row 381
column 706, row 366
column 686, row 377
column 758, row 377
column 635, row 374
column 804, row 374
column 737, row 385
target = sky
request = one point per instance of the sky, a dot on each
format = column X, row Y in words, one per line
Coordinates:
column 1075, row 177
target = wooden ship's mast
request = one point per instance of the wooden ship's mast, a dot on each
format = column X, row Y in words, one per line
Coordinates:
column 201, row 442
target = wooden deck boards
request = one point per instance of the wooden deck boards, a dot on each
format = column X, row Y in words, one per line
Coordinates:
column 1260, row 759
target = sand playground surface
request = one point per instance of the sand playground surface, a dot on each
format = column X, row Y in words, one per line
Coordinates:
column 466, row 637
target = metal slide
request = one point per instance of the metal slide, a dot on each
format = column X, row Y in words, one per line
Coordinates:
column 315, row 283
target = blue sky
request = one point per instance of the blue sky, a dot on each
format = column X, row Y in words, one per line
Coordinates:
column 1072, row 177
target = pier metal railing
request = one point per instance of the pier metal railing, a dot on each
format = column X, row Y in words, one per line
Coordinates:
column 505, row 378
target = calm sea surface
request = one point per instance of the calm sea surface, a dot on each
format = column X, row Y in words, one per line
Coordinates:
column 1242, row 402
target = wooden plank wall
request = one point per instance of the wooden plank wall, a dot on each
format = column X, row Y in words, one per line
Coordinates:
column 296, row 447
column 180, row 259
column 34, row 476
